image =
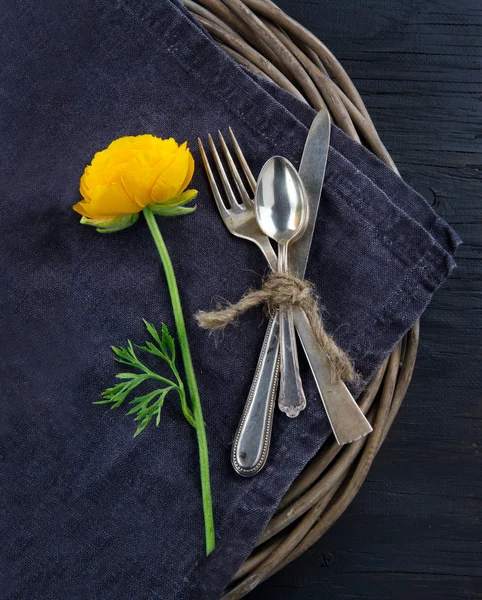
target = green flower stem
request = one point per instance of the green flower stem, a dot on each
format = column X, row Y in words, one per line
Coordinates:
column 190, row 377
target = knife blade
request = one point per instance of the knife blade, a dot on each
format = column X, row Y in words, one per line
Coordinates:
column 312, row 173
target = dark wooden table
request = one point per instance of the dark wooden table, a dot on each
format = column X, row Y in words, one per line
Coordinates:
column 414, row 531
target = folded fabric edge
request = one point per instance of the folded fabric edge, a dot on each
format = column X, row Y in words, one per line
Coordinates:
column 426, row 266
column 382, row 177
column 375, row 169
column 351, row 190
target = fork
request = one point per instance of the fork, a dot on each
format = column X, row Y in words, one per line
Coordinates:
column 253, row 435
column 252, row 439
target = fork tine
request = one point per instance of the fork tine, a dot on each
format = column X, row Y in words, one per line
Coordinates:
column 224, row 178
column 242, row 160
column 212, row 182
column 234, row 171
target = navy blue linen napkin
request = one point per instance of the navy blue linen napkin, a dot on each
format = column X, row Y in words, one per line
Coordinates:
column 88, row 511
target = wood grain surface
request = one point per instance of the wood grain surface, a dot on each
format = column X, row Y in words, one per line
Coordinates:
column 414, row 531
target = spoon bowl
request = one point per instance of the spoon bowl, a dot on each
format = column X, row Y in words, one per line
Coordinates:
column 280, row 201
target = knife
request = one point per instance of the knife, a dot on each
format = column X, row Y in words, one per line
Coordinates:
column 346, row 419
column 252, row 439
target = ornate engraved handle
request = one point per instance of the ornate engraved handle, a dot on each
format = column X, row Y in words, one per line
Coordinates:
column 251, row 443
column 291, row 399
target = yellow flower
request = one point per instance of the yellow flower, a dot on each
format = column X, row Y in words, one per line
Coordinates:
column 132, row 173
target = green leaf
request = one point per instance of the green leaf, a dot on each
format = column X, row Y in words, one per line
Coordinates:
column 167, row 342
column 180, row 200
column 171, row 211
column 175, row 207
column 141, row 427
column 119, row 392
column 149, row 347
column 165, row 348
column 131, row 350
column 111, row 225
column 187, row 412
column 147, row 407
column 142, row 401
column 153, row 331
column 123, row 356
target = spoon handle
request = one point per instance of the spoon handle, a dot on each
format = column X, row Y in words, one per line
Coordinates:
column 291, row 399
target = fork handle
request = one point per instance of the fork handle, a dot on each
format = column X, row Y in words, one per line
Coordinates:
column 251, row 443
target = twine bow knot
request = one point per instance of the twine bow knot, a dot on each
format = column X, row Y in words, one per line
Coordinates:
column 285, row 290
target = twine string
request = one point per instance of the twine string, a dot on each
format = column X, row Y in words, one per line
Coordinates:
column 285, row 290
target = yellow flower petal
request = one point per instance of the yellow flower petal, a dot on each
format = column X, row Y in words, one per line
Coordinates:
column 138, row 185
column 84, row 189
column 172, row 178
column 81, row 208
column 111, row 200
column 189, row 173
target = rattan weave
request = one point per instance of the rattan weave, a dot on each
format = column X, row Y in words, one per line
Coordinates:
column 260, row 36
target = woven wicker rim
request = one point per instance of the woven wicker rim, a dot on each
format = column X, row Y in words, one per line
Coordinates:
column 261, row 37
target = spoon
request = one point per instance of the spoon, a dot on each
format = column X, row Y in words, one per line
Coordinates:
column 281, row 209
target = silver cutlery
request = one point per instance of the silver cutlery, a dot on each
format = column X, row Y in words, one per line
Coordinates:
column 252, row 439
column 281, row 210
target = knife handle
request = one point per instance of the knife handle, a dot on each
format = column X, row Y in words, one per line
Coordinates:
column 346, row 419
column 252, row 440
